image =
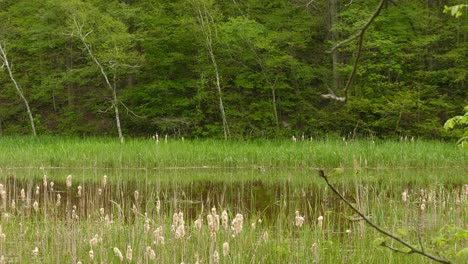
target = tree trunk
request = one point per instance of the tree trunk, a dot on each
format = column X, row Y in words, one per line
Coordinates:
column 220, row 97
column 113, row 88
column 336, row 82
column 275, row 111
column 116, row 109
column 205, row 19
column 117, row 118
column 69, row 62
column 3, row 56
column 273, row 94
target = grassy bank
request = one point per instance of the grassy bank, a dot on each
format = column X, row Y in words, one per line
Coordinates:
column 146, row 153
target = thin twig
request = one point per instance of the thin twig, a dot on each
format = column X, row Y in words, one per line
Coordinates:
column 130, row 111
column 383, row 244
column 379, row 229
column 348, row 4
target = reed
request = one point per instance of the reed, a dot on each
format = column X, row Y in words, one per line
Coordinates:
column 173, row 224
column 146, row 153
column 67, row 200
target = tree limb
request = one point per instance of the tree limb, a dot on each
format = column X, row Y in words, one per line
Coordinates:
column 360, row 36
column 206, row 22
column 310, row 2
column 19, row 90
column 383, row 244
column 129, row 111
column 411, row 248
column 82, row 37
column 362, row 30
column 333, row 96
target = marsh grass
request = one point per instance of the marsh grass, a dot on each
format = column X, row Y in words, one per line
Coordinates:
column 125, row 213
column 146, row 153
column 265, row 181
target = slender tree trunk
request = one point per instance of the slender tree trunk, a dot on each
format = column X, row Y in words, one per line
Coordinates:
column 3, row 56
column 69, row 61
column 336, row 83
column 220, row 96
column 130, row 81
column 117, row 118
column 205, row 21
column 273, row 94
column 275, row 111
column 265, row 76
column 116, row 109
column 113, row 88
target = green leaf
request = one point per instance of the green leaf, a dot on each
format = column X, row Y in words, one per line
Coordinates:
column 378, row 241
column 402, row 232
column 450, row 124
column 446, row 9
column 454, row 9
column 463, row 254
column 440, row 241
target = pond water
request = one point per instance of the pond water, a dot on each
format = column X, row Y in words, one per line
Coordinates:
column 265, row 193
column 408, row 202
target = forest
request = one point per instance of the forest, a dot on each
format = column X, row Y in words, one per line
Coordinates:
column 231, row 69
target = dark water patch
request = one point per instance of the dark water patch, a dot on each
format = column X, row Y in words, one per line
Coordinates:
column 131, row 200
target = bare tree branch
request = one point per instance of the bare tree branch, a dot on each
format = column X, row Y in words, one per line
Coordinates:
column 310, row 2
column 206, row 22
column 129, row 111
column 362, row 30
column 412, row 249
column 383, row 244
column 350, row 2
column 333, row 96
column 82, row 37
column 19, row 90
column 360, row 36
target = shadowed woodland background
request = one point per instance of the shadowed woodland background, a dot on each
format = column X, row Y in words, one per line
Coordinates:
column 271, row 61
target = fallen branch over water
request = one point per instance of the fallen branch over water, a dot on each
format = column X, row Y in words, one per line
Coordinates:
column 412, row 249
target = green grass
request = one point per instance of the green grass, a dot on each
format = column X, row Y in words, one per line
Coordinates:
column 145, row 153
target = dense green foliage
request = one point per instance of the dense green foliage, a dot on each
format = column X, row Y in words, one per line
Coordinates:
column 272, row 62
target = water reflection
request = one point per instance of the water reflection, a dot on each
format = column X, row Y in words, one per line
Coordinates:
column 271, row 196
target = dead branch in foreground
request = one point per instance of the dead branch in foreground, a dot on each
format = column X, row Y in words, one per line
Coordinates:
column 412, row 249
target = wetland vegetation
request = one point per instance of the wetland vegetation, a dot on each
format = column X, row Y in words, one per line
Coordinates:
column 228, row 201
column 243, row 71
